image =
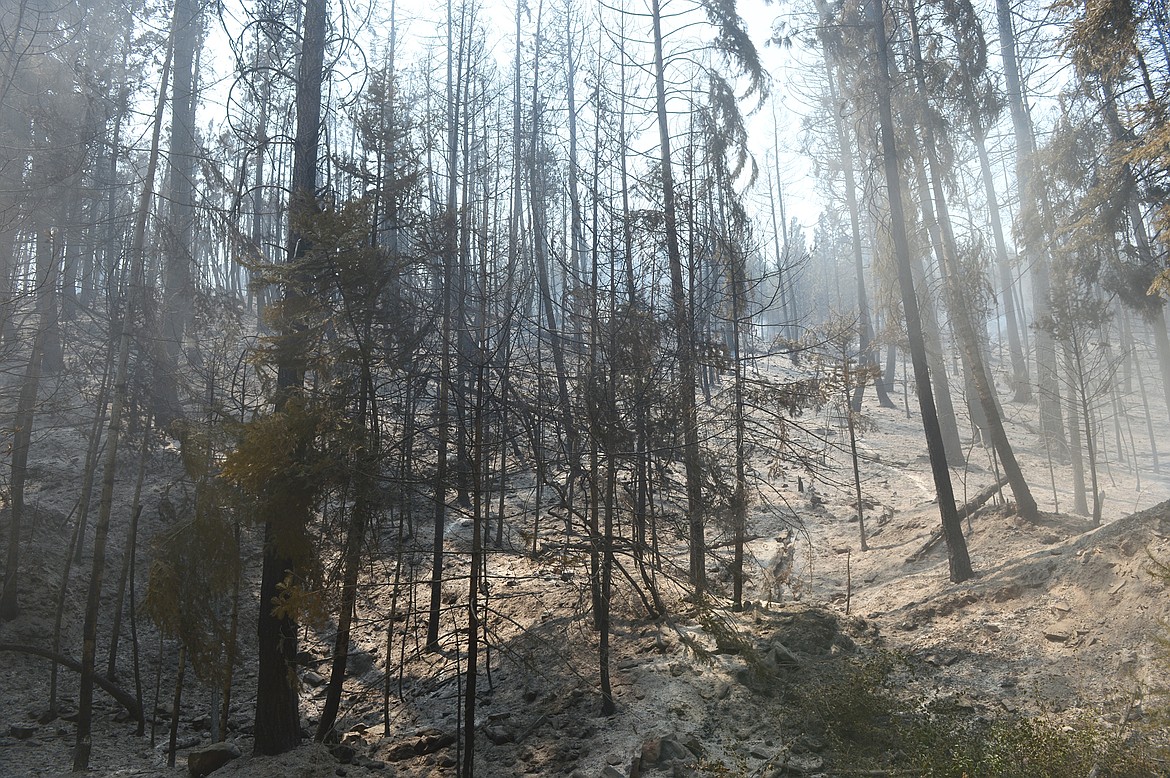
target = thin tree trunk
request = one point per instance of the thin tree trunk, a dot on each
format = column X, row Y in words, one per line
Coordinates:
column 1080, row 501
column 355, row 538
column 177, row 308
column 134, row 293
column 961, row 318
column 277, row 721
column 1031, row 205
column 26, row 405
column 448, row 304
column 127, row 555
column 682, row 321
column 1020, row 382
column 959, row 561
column 176, row 705
column 866, row 348
column 933, row 332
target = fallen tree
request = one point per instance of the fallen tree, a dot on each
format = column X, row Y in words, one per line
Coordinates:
column 972, row 505
column 124, row 698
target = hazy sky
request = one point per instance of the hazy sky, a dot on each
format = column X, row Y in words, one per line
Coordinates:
column 421, row 25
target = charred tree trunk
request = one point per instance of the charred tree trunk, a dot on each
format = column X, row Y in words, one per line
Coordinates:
column 959, row 561
column 682, row 320
column 277, row 722
column 133, row 306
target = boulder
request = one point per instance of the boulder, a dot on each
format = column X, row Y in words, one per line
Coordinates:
column 22, row 731
column 428, row 741
column 207, row 760
column 498, row 734
column 672, row 750
column 659, row 752
column 344, row 753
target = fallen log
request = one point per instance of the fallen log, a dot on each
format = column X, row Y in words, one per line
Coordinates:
column 124, row 698
column 972, row 505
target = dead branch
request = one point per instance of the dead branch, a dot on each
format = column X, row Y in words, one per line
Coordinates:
column 124, row 698
column 974, row 504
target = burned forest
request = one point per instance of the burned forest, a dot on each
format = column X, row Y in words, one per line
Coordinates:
column 613, row 389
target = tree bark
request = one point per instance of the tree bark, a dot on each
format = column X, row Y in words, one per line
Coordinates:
column 277, row 722
column 123, row 697
column 959, row 561
column 688, row 414
column 1030, row 228
column 961, row 315
column 134, row 296
column 26, row 405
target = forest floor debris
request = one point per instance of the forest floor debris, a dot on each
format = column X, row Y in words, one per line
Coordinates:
column 1060, row 626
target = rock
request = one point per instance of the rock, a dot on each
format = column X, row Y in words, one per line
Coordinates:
column 1057, row 635
column 377, row 764
column 672, row 750
column 663, row 751
column 717, row 692
column 807, row 744
column 585, row 731
column 963, row 702
column 400, row 751
column 190, row 741
column 498, row 734
column 427, row 741
column 611, row 772
column 651, row 752
column 207, row 760
column 782, row 657
column 344, row 753
column 22, row 731
column 1009, row 592
column 359, row 663
column 805, row 764
column 313, row 678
